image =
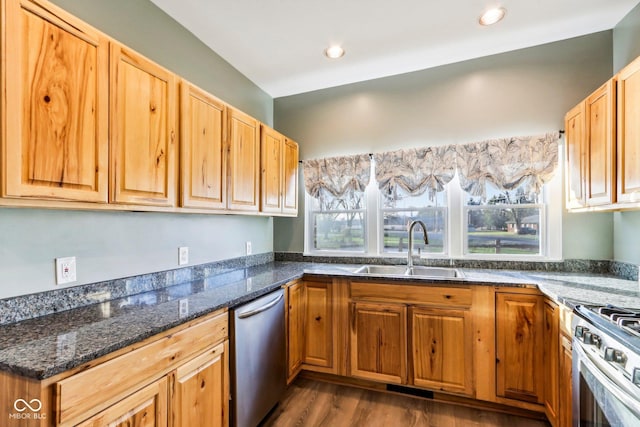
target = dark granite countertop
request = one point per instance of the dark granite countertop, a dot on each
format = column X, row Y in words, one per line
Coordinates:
column 47, row 345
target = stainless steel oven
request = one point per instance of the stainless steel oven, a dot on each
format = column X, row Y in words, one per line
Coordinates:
column 606, row 371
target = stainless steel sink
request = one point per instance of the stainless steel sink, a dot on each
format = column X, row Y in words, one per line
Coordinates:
column 434, row 272
column 404, row 271
column 389, row 270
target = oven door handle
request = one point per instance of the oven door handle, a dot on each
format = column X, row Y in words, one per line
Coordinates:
column 625, row 396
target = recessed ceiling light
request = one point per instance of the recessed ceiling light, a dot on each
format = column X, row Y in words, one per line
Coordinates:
column 334, row 52
column 492, row 16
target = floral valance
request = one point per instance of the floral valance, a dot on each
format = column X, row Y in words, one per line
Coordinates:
column 339, row 178
column 508, row 163
column 414, row 171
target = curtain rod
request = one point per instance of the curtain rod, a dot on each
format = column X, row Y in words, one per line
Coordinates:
column 561, row 131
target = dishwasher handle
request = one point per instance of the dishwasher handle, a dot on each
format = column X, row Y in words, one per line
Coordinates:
column 258, row 310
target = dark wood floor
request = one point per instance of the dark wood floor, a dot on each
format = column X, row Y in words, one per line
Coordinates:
column 311, row 403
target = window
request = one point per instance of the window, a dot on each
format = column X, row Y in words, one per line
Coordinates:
column 350, row 212
column 507, row 225
column 506, row 222
column 396, row 214
column 337, row 224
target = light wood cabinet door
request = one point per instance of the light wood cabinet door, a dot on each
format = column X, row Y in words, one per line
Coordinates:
column 628, row 133
column 143, row 130
column 600, row 113
column 290, row 178
column 202, row 149
column 55, row 105
column 565, row 413
column 441, row 349
column 279, row 173
column 379, row 342
column 519, row 340
column 200, row 395
column 145, row 408
column 551, row 361
column 574, row 125
column 272, row 165
column 296, row 313
column 244, row 161
column 318, row 342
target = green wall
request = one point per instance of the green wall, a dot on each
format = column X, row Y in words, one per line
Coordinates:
column 626, row 39
column 523, row 92
column 111, row 245
column 626, row 47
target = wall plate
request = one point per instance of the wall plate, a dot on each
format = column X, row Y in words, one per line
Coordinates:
column 65, row 270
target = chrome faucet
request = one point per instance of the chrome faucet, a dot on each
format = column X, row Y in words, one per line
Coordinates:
column 426, row 240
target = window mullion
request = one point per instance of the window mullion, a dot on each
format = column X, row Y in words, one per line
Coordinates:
column 371, row 222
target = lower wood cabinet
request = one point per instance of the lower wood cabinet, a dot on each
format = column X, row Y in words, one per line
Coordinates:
column 498, row 345
column 441, row 349
column 145, row 407
column 565, row 412
column 177, row 378
column 318, row 343
column 551, row 360
column 519, row 340
column 296, row 296
column 200, row 390
column 379, row 342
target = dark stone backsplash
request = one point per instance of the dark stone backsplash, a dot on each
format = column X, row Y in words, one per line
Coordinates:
column 25, row 307
column 620, row 269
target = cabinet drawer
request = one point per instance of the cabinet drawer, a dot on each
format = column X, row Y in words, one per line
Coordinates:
column 91, row 391
column 450, row 296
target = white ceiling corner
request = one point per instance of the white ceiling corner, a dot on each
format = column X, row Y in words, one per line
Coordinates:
column 278, row 44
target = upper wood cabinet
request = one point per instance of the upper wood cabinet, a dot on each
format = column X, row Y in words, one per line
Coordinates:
column 243, row 134
column 600, row 114
column 143, row 130
column 55, row 105
column 628, row 136
column 279, row 173
column 290, row 178
column 519, row 341
column 85, row 119
column 574, row 124
column 271, row 165
column 203, row 151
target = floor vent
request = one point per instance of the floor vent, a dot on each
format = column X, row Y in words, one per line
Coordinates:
column 411, row 391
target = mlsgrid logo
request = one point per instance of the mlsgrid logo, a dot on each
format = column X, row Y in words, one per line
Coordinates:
column 27, row 410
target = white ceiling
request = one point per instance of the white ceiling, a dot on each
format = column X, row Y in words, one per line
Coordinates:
column 278, row 44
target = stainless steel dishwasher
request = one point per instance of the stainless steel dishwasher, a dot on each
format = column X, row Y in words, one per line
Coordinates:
column 258, row 358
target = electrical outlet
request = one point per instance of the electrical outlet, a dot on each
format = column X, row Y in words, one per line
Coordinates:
column 65, row 270
column 248, row 245
column 183, row 255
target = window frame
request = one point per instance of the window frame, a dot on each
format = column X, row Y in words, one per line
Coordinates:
column 308, row 225
column 542, row 225
column 455, row 237
column 380, row 231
